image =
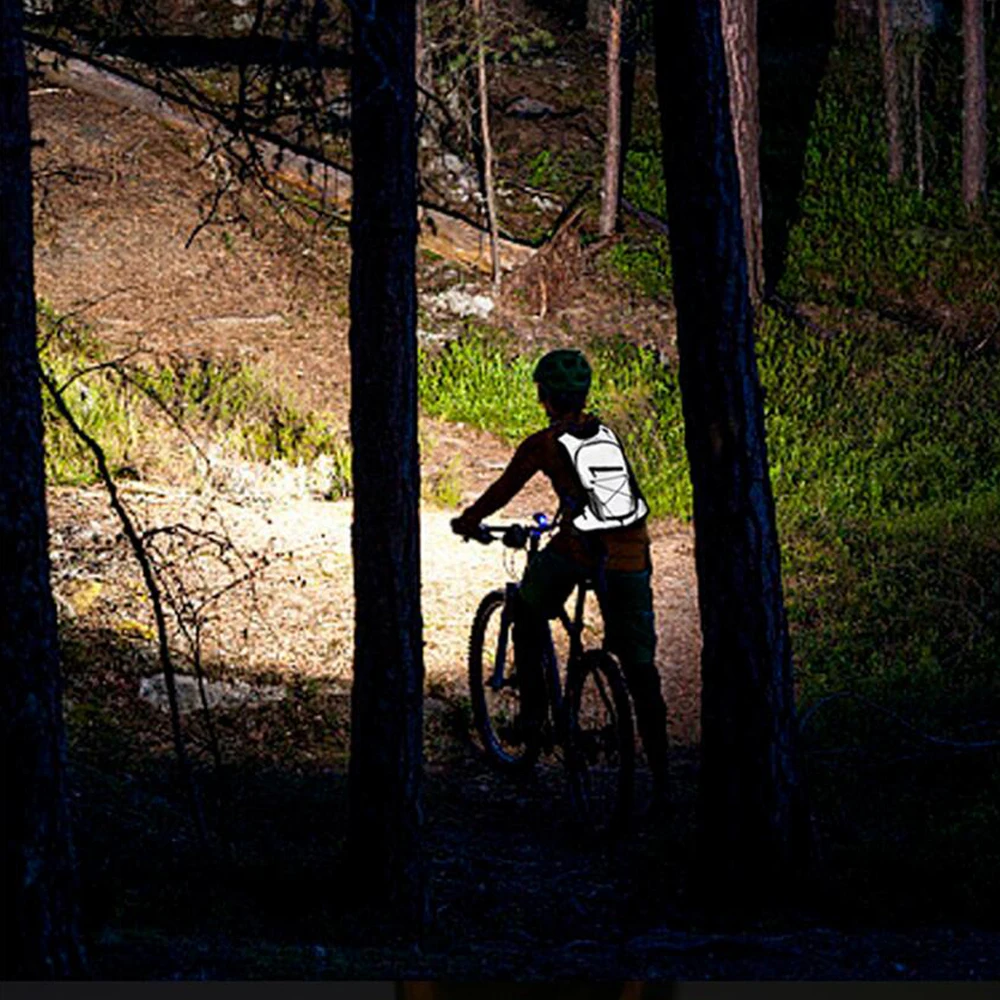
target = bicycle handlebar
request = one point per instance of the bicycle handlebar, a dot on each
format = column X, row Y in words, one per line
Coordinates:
column 514, row 536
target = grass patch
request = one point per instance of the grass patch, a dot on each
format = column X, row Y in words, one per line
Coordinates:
column 146, row 417
column 482, row 380
column 644, row 263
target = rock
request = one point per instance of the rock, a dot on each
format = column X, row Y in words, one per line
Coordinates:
column 218, row 694
column 528, row 107
column 545, row 204
column 463, row 303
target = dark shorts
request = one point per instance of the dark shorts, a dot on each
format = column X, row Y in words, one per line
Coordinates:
column 627, row 604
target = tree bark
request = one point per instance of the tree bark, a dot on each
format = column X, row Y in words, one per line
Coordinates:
column 487, row 142
column 890, row 85
column 918, row 119
column 384, row 829
column 973, row 105
column 750, row 804
column 611, row 186
column 739, row 29
column 854, row 17
column 40, row 934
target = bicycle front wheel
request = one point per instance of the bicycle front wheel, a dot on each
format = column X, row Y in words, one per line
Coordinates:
column 600, row 752
column 505, row 721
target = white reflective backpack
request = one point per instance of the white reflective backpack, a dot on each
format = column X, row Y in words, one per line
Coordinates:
column 613, row 497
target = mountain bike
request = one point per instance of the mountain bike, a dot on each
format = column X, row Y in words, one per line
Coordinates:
column 588, row 721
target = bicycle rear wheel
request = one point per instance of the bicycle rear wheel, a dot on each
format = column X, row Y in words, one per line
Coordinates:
column 600, row 755
column 506, row 723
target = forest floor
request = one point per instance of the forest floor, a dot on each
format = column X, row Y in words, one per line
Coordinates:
column 513, row 895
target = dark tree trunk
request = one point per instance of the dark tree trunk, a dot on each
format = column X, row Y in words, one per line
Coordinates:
column 750, row 807
column 890, row 86
column 39, row 936
column 854, row 17
column 739, row 23
column 386, row 699
column 973, row 105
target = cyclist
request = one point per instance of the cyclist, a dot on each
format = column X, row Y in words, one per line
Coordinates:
column 616, row 557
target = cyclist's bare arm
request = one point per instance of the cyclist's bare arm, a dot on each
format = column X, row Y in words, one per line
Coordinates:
column 513, row 479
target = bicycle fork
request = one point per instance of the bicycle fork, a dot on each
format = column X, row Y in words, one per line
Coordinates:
column 496, row 680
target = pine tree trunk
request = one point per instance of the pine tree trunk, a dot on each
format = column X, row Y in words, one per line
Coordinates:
column 39, row 937
column 973, row 105
column 890, row 84
column 384, row 832
column 611, row 186
column 750, row 805
column 739, row 27
column 487, row 142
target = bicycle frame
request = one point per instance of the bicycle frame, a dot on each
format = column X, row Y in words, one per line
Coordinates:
column 573, row 627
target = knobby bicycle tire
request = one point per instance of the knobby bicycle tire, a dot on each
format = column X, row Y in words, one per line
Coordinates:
column 600, row 752
column 511, row 742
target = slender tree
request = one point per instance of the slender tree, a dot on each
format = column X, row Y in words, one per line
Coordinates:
column 890, row 86
column 739, row 32
column 39, row 937
column 611, row 186
column 750, row 806
column 486, row 141
column 917, row 85
column 384, row 832
column 973, row 105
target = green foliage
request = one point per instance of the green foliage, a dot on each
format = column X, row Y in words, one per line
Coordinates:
column 885, row 461
column 645, row 264
column 642, row 181
column 644, row 260
column 131, row 410
column 541, row 169
column 860, row 240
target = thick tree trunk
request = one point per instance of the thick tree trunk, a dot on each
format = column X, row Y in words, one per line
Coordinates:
column 890, row 85
column 750, row 806
column 611, row 185
column 39, row 936
column 487, row 142
column 739, row 30
column 384, row 849
column 973, row 105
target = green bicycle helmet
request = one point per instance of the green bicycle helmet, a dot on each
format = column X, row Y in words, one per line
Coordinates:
column 565, row 370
